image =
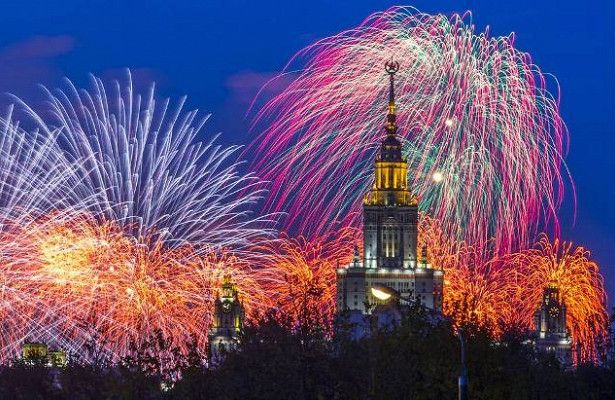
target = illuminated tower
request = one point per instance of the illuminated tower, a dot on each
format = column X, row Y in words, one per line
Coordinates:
column 389, row 210
column 551, row 334
column 229, row 318
column 390, row 220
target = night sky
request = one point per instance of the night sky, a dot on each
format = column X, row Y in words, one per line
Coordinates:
column 219, row 53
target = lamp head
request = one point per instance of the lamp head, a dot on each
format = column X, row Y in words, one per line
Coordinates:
column 380, row 295
column 384, row 292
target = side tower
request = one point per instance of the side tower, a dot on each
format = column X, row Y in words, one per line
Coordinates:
column 390, row 222
column 229, row 318
column 551, row 334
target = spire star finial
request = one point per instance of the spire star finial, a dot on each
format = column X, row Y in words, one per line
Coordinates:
column 391, row 68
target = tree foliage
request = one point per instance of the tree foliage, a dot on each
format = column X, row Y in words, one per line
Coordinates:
column 280, row 357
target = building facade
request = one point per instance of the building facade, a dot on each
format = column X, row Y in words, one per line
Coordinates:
column 229, row 316
column 390, row 223
column 551, row 334
column 38, row 351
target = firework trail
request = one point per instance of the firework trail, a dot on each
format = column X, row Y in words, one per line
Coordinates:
column 471, row 107
column 115, row 222
column 580, row 285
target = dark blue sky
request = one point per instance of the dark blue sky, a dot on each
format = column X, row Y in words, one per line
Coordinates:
column 219, row 53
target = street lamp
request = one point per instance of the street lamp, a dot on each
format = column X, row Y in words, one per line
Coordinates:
column 386, row 293
column 462, row 383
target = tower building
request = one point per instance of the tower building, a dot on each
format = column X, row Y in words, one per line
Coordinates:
column 390, row 222
column 551, row 334
column 229, row 316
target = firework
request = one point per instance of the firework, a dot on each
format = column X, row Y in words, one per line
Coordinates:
column 304, row 271
column 477, row 282
column 135, row 160
column 473, row 111
column 504, row 291
column 116, row 223
column 82, row 279
column 485, row 145
column 477, row 290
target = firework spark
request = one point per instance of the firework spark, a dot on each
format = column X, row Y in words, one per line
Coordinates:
column 81, row 278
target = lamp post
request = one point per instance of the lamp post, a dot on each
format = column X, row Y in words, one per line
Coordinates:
column 462, row 382
column 387, row 293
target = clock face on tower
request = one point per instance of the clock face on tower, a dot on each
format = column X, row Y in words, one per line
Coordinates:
column 226, row 306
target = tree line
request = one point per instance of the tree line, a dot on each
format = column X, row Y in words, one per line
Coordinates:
column 281, row 357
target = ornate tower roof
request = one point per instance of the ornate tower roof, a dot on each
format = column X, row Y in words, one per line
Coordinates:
column 551, row 331
column 391, row 172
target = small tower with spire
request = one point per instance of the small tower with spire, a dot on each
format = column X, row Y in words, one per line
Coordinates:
column 551, row 333
column 390, row 223
column 229, row 316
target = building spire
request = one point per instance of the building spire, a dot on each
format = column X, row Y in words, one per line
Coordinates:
column 356, row 260
column 424, row 257
column 391, row 68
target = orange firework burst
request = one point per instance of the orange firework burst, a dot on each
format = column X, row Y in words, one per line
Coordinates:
column 478, row 288
column 579, row 282
column 72, row 278
column 307, row 269
column 477, row 283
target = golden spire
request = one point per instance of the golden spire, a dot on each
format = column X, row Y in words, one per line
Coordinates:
column 391, row 179
column 390, row 175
